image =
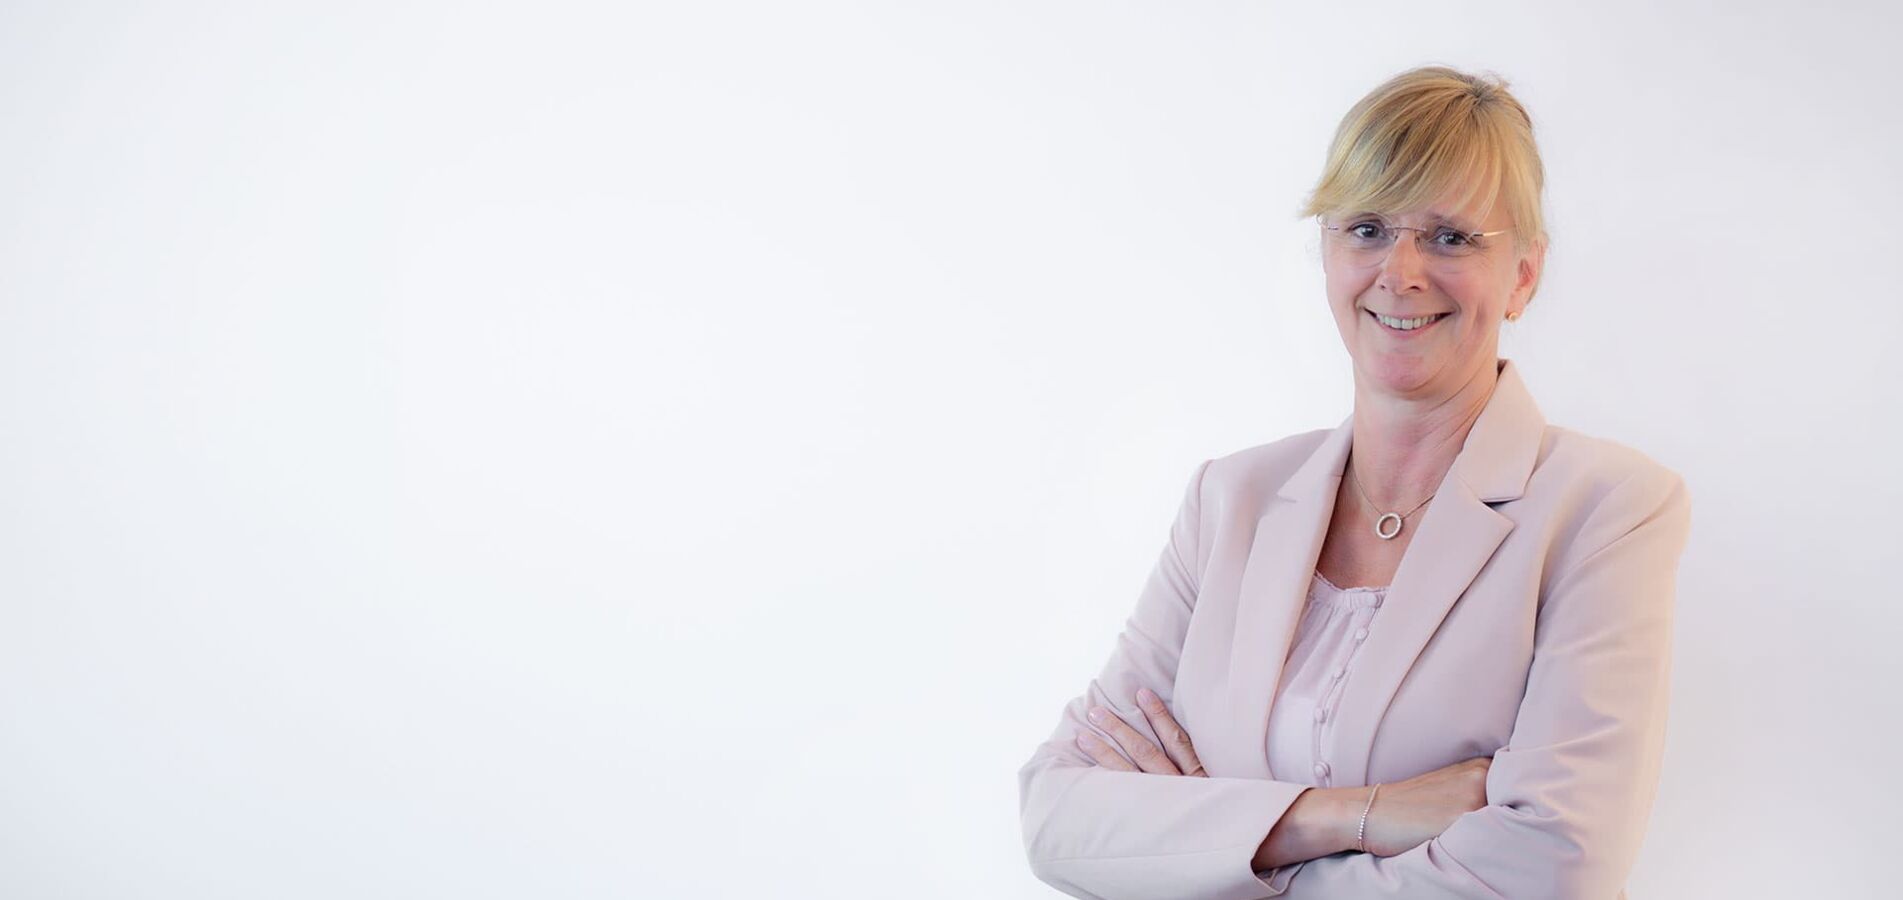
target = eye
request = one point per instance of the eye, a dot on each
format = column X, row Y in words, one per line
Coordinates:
column 1366, row 230
column 1448, row 237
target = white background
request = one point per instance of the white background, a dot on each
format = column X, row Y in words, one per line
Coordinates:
column 695, row 450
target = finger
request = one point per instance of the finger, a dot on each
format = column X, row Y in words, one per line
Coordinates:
column 1148, row 756
column 1176, row 743
column 1103, row 753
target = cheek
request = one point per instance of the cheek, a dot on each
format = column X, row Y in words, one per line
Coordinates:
column 1484, row 289
column 1474, row 294
column 1345, row 286
column 1344, row 303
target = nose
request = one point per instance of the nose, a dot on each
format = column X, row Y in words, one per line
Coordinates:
column 1405, row 269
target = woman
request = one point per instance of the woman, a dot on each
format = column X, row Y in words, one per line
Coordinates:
column 1423, row 653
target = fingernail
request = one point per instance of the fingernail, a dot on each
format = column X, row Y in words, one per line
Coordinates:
column 1096, row 714
column 1145, row 695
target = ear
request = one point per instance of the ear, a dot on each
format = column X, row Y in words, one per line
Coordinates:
column 1527, row 276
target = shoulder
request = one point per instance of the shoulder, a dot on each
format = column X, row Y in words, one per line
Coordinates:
column 1592, row 471
column 1243, row 481
column 1264, row 466
column 1594, row 492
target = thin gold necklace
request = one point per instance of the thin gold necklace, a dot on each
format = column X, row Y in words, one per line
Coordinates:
column 1400, row 519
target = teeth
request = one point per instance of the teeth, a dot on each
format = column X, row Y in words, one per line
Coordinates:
column 1406, row 324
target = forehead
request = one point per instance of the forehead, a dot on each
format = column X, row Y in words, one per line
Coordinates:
column 1453, row 208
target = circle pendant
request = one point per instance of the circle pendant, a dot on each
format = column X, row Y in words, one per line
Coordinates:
column 1381, row 531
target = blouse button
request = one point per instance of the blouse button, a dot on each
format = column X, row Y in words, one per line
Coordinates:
column 1321, row 770
column 1340, row 672
column 1320, row 714
column 1361, row 633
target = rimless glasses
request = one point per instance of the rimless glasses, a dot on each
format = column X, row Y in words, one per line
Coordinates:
column 1366, row 241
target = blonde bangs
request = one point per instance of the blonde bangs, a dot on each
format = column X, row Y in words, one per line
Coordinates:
column 1427, row 132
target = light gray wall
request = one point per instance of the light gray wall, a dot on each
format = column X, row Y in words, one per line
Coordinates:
column 516, row 450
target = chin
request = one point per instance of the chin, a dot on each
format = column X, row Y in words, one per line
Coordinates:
column 1397, row 374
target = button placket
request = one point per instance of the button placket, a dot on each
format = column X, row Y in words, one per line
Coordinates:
column 1323, row 705
column 1362, row 617
column 1334, row 629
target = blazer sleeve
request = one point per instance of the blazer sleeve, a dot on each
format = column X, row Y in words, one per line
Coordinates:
column 1100, row 833
column 1570, row 795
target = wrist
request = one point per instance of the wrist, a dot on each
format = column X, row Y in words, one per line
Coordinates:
column 1362, row 819
column 1321, row 822
column 1345, row 806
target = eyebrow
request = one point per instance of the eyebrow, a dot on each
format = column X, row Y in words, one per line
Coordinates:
column 1455, row 221
column 1432, row 219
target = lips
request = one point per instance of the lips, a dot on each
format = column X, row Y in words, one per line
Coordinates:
column 1407, row 331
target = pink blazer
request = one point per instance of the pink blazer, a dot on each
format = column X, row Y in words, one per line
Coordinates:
column 1530, row 620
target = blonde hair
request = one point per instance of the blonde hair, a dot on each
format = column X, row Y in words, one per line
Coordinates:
column 1424, row 132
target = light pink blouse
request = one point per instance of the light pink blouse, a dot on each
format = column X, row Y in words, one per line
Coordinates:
column 1327, row 643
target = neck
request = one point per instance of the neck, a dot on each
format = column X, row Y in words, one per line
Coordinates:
column 1404, row 446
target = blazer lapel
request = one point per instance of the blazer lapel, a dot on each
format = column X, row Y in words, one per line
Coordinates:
column 1456, row 536
column 1274, row 586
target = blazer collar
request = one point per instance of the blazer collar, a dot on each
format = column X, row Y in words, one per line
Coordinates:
column 1452, row 542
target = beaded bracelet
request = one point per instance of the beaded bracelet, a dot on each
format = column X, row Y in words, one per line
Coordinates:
column 1362, row 831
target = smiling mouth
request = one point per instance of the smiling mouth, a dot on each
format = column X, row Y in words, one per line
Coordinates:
column 1430, row 322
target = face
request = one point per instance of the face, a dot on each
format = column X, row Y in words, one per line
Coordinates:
column 1472, row 293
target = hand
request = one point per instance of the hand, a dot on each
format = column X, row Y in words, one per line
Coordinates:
column 1176, row 757
column 1412, row 812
